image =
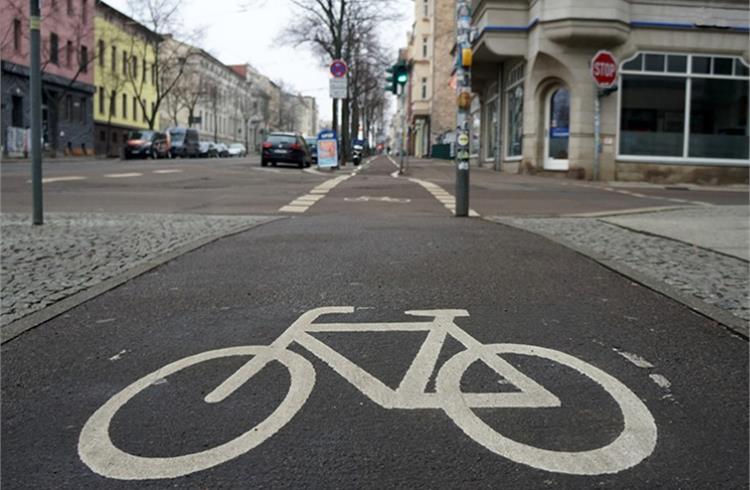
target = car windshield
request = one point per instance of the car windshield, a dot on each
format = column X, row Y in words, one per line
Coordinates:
column 140, row 135
column 311, row 141
column 281, row 138
column 178, row 136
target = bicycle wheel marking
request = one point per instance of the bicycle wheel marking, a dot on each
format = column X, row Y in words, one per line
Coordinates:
column 95, row 447
column 635, row 443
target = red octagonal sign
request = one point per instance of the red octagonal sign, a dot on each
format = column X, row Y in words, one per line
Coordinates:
column 604, row 69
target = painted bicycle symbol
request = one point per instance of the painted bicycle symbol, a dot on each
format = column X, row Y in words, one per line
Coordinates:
column 636, row 441
column 399, row 200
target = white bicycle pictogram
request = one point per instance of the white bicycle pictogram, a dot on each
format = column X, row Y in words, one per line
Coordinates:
column 636, row 441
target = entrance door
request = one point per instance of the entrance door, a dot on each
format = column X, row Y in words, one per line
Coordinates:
column 557, row 130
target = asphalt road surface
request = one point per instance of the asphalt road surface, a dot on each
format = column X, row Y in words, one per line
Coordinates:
column 520, row 365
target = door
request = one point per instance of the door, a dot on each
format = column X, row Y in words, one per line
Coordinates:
column 557, row 130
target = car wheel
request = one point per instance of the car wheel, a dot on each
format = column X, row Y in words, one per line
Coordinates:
column 263, row 163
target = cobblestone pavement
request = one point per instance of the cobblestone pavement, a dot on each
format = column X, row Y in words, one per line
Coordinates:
column 40, row 265
column 714, row 278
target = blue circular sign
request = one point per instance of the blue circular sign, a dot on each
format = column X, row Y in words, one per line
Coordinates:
column 339, row 68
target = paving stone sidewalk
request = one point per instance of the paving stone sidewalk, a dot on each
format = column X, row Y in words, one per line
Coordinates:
column 714, row 278
column 40, row 265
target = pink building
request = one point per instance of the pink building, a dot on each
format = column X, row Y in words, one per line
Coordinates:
column 67, row 65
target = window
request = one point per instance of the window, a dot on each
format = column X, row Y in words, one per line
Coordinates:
column 424, row 47
column 153, row 74
column 82, row 109
column 145, row 69
column 124, row 63
column 514, row 104
column 145, row 119
column 84, row 11
column 69, row 54
column 114, row 58
column 424, row 88
column 134, row 73
column 426, row 8
column 684, row 107
column 101, row 53
column 101, row 100
column 84, row 59
column 17, row 33
column 493, row 122
column 53, row 49
column 70, row 7
column 16, row 119
column 135, row 109
column 124, row 106
column 68, row 108
column 112, row 104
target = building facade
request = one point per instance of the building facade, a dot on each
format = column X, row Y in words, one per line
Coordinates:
column 124, row 73
column 307, row 115
column 680, row 110
column 67, row 76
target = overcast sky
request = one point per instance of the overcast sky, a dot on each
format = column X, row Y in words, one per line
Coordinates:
column 237, row 35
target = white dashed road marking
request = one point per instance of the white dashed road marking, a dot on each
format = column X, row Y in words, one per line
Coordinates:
column 123, row 176
column 168, row 171
column 303, row 203
column 50, row 180
column 445, row 198
column 643, row 196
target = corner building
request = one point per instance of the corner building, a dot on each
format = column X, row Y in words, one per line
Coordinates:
column 680, row 111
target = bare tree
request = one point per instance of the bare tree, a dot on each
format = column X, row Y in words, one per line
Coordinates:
column 170, row 55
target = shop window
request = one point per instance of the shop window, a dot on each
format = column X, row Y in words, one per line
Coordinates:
column 493, row 122
column 718, row 118
column 652, row 116
column 514, row 111
column 695, row 110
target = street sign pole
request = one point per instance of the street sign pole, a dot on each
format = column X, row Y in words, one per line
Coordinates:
column 463, row 73
column 604, row 73
column 597, row 133
column 35, row 78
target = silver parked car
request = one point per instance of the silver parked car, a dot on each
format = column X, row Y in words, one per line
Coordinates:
column 237, row 150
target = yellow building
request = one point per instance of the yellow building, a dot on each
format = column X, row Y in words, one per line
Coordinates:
column 124, row 76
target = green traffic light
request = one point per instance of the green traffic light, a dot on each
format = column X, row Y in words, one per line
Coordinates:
column 402, row 78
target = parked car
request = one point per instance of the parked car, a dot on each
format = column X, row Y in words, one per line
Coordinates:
column 146, row 144
column 207, row 149
column 285, row 148
column 185, row 142
column 237, row 150
column 222, row 150
column 312, row 144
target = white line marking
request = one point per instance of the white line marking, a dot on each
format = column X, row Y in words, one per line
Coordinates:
column 123, row 176
column 660, row 380
column 168, row 171
column 293, row 209
column 118, row 356
column 444, row 197
column 636, row 441
column 49, row 180
column 635, row 359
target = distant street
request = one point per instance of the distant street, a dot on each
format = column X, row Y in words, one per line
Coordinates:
column 410, row 349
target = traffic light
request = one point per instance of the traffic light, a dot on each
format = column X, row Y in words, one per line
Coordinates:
column 390, row 80
column 397, row 74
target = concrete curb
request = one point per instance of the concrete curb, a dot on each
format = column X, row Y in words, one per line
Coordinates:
column 735, row 325
column 33, row 320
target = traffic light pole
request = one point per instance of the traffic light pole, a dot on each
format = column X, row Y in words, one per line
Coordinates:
column 463, row 89
column 401, row 168
column 35, row 76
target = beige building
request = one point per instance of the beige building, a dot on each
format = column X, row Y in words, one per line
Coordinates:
column 680, row 112
column 431, row 97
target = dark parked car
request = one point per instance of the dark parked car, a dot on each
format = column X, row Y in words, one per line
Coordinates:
column 222, row 150
column 184, row 142
column 285, row 148
column 312, row 144
column 146, row 144
column 207, row 149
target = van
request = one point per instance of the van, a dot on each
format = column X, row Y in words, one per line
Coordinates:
column 184, row 142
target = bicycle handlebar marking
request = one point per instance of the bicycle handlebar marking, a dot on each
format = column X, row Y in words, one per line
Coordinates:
column 636, row 442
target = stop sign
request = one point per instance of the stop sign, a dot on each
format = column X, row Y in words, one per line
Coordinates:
column 604, row 69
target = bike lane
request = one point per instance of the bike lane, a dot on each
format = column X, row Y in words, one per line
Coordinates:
column 247, row 290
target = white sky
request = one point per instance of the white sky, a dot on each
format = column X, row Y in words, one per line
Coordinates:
column 236, row 35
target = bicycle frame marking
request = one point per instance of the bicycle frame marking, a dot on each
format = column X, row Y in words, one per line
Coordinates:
column 636, row 442
column 411, row 392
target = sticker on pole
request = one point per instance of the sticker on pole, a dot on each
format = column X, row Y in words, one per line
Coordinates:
column 604, row 69
column 328, row 156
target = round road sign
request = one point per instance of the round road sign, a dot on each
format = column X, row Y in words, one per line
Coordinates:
column 604, row 69
column 338, row 68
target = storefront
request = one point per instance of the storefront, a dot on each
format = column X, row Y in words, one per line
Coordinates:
column 680, row 111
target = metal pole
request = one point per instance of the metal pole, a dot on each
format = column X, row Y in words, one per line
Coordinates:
column 35, row 96
column 463, row 74
column 403, row 129
column 597, row 132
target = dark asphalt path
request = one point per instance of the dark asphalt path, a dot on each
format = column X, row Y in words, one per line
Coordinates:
column 385, row 258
